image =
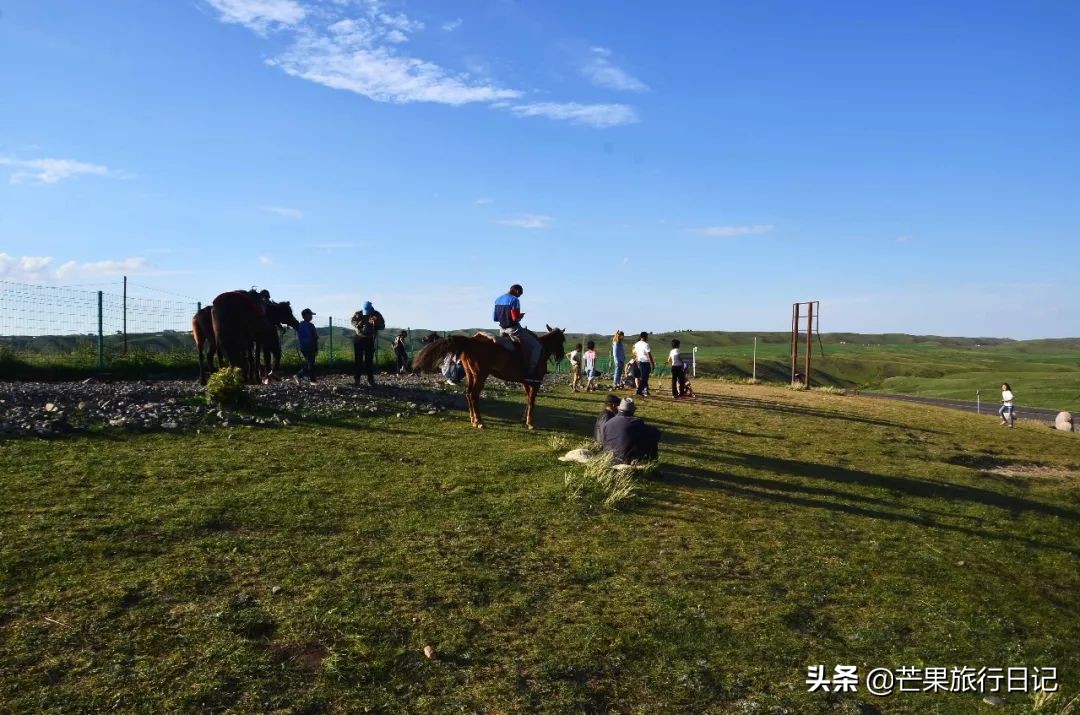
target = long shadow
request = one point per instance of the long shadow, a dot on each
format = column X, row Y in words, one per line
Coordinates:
column 907, row 485
column 702, row 479
column 727, row 401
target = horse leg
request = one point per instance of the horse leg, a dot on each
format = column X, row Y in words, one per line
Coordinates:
column 476, row 385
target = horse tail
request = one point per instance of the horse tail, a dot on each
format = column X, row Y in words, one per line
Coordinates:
column 431, row 356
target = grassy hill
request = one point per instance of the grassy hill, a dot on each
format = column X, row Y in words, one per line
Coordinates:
column 306, row 569
column 1043, row 373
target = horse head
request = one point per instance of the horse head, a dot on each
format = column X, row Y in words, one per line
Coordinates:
column 281, row 313
column 555, row 343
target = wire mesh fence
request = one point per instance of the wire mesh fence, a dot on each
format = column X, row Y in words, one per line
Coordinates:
column 73, row 327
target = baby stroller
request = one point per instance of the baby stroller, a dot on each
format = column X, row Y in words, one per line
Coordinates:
column 687, row 390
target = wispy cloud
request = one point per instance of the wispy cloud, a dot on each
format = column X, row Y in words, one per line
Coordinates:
column 903, row 239
column 527, row 221
column 452, row 25
column 595, row 115
column 265, row 260
column 356, row 46
column 732, row 230
column 483, row 200
column 601, row 71
column 40, row 268
column 260, row 15
column 334, row 246
column 51, row 171
column 295, row 214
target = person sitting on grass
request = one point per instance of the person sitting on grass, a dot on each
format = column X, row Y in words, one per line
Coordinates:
column 628, row 438
column 611, row 408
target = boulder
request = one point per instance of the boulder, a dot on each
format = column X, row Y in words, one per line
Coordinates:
column 1064, row 422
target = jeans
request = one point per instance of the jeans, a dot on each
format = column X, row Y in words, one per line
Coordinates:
column 530, row 348
column 364, row 359
column 620, row 365
column 1008, row 410
column 644, row 368
column 307, row 368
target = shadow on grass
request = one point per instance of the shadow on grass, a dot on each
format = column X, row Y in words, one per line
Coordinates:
column 729, row 402
column 802, row 495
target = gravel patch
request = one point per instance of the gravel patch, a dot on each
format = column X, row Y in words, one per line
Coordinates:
column 48, row 409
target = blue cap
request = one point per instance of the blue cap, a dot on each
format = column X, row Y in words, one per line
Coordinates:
column 368, row 307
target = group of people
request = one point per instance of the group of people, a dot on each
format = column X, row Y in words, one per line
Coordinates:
column 367, row 322
column 636, row 372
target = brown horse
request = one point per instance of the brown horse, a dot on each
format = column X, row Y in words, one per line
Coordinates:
column 202, row 329
column 244, row 328
column 270, row 343
column 481, row 356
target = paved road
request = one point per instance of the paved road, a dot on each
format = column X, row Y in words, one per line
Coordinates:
column 988, row 408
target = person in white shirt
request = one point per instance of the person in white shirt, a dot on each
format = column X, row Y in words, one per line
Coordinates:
column 1007, row 411
column 645, row 363
column 678, row 371
column 590, row 366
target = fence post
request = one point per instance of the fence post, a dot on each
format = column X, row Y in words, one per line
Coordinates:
column 693, row 362
column 125, row 315
column 331, row 340
column 100, row 334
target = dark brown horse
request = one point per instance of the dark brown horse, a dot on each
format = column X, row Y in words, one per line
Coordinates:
column 481, row 356
column 270, row 343
column 242, row 327
column 202, row 329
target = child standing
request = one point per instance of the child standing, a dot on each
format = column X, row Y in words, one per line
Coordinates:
column 1008, row 402
column 575, row 367
column 590, row 367
column 401, row 353
column 678, row 371
column 308, row 340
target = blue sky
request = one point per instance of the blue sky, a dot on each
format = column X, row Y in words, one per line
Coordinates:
column 913, row 166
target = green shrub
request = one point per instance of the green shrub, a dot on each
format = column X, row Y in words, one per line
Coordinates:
column 225, row 387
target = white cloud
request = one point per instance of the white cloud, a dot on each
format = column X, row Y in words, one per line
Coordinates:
column 527, row 221
column 39, row 269
column 260, row 15
column 483, row 200
column 602, row 72
column 265, row 260
column 350, row 61
column 354, row 45
column 595, row 115
column 903, row 239
column 452, row 25
column 295, row 214
column 51, row 171
column 733, row 230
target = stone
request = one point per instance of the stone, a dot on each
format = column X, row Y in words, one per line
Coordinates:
column 169, row 425
column 275, row 590
column 994, row 700
column 51, row 407
column 1064, row 422
column 429, row 652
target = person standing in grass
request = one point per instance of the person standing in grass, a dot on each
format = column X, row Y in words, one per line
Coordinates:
column 1007, row 411
column 367, row 322
column 645, row 363
column 618, row 356
column 575, row 367
column 308, row 339
column 401, row 353
column 590, row 366
column 678, row 371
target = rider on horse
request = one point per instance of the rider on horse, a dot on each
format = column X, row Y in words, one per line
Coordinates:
column 508, row 315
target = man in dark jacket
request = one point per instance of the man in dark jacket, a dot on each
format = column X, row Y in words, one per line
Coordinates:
column 367, row 323
column 611, row 408
column 628, row 437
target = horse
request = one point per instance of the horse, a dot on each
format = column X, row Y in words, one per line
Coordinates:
column 245, row 327
column 482, row 355
column 270, row 344
column 202, row 330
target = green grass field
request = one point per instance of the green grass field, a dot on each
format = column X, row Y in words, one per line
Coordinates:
column 305, row 569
